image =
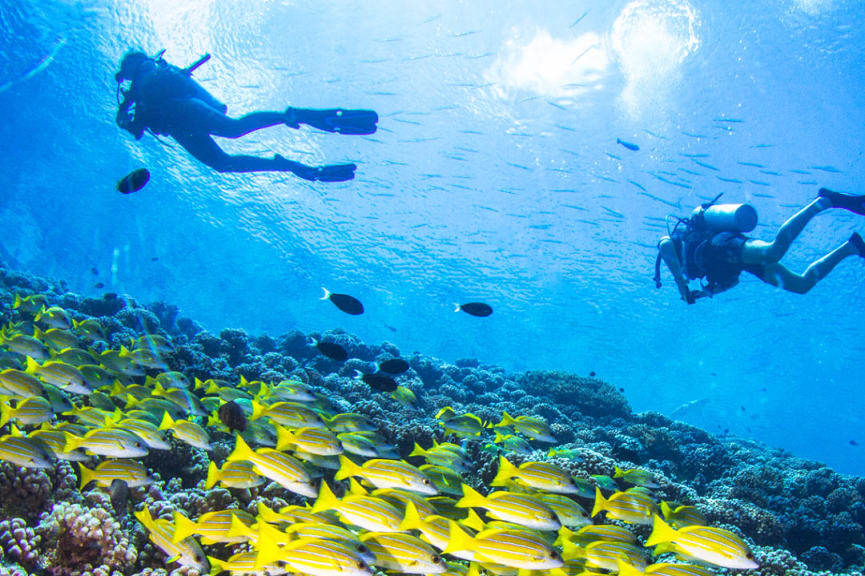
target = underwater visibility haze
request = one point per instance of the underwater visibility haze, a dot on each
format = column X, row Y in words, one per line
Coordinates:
column 527, row 157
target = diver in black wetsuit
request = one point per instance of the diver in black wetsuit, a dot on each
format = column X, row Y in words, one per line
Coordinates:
column 164, row 99
column 711, row 246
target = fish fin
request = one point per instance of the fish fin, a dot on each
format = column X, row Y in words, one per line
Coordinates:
column 666, row 511
column 183, row 527
column 87, row 475
column 213, row 476
column 418, row 451
column 661, row 532
column 258, row 410
column 571, row 550
column 411, row 519
column 473, row 521
column 326, row 499
column 217, row 566
column 284, row 438
column 600, row 502
column 241, row 451
column 5, row 410
column 471, row 498
column 505, row 473
column 71, row 442
column 213, row 420
column 564, row 535
column 626, row 569
column 445, row 414
column 269, row 552
column 507, row 420
column 167, row 421
column 267, row 514
column 145, row 518
column 458, row 539
column 355, row 487
column 240, row 530
column 32, row 365
column 347, row 468
column 619, row 473
column 326, row 294
column 17, row 303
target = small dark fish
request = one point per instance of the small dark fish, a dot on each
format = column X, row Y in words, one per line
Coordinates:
column 726, row 430
column 332, row 350
column 231, row 414
column 592, row 374
column 474, row 308
column 119, row 493
column 762, row 389
column 99, row 285
column 393, row 366
column 94, row 271
column 389, row 327
column 621, row 389
column 743, row 408
column 853, row 443
column 629, row 145
column 346, row 303
column 154, row 259
column 134, row 181
column 380, row 382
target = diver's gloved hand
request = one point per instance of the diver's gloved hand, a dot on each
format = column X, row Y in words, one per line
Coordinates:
column 694, row 295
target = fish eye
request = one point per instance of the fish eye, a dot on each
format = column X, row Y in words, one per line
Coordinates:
column 361, row 565
column 436, row 559
column 749, row 556
column 554, row 555
column 425, row 481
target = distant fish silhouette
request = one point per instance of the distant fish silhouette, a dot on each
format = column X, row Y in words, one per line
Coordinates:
column 393, row 366
column 346, row 303
column 231, row 414
column 332, row 350
column 134, row 181
column 628, row 145
column 592, row 374
column 99, row 285
column 378, row 381
column 474, row 308
column 853, row 443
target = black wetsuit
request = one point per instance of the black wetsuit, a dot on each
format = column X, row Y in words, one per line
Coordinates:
column 715, row 256
column 168, row 101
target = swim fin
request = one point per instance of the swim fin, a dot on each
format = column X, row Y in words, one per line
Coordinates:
column 858, row 243
column 337, row 120
column 851, row 202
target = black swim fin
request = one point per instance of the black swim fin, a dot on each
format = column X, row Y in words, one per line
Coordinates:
column 851, row 202
column 326, row 173
column 858, row 243
column 336, row 120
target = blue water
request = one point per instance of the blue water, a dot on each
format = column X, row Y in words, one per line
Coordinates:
column 495, row 175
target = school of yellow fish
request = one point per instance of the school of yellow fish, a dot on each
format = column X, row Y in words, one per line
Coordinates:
column 61, row 398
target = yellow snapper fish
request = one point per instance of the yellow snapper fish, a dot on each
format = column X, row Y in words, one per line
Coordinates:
column 537, row 475
column 445, row 455
column 34, row 410
column 62, row 375
column 637, row 477
column 168, row 380
column 23, row 451
column 186, row 431
column 244, row 563
column 349, row 422
column 569, row 512
column 594, row 532
column 113, row 361
column 30, row 304
column 290, row 515
column 144, row 429
column 289, row 414
column 237, row 474
column 520, row 509
column 55, row 441
column 212, row 527
column 708, row 544
column 679, row 516
column 315, row 557
column 387, row 474
column 89, row 329
column 24, row 345
column 466, row 424
column 143, row 358
column 630, row 507
column 111, row 442
column 154, row 342
column 434, row 529
column 368, row 512
column 320, row 441
column 402, row 498
column 56, row 338
column 512, row 443
column 184, row 399
column 132, row 472
column 54, row 317
column 665, row 569
column 281, row 468
column 446, row 480
column 186, row 553
column 512, row 548
column 403, row 552
column 569, row 453
column 404, row 396
column 534, row 428
column 19, row 384
column 59, row 400
column 285, row 391
column 605, row 554
column 74, row 357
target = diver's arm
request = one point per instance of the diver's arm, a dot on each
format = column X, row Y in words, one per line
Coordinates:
column 126, row 120
column 671, row 259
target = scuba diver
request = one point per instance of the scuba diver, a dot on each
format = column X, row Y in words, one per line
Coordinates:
column 711, row 246
column 164, row 99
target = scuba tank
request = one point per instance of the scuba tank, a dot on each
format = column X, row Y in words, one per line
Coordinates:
column 724, row 217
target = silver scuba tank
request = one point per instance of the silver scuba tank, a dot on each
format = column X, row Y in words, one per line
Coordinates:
column 726, row 217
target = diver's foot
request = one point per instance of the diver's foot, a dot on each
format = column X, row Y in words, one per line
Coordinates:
column 291, row 118
column 851, row 202
column 327, row 173
column 858, row 243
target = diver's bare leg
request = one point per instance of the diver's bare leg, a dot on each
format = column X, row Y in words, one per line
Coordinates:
column 760, row 252
column 778, row 275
